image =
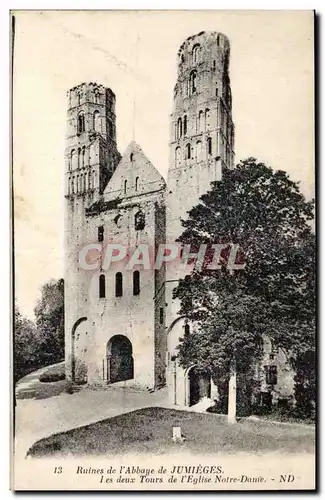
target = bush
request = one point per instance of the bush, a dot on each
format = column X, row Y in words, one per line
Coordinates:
column 53, row 374
column 69, row 389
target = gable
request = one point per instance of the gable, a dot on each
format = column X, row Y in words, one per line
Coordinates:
column 135, row 175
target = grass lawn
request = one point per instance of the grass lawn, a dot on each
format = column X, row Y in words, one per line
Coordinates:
column 149, row 430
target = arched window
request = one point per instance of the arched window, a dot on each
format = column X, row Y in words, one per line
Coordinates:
column 97, row 123
column 217, row 92
column 118, row 285
column 139, row 221
column 185, row 125
column 125, row 186
column 214, row 65
column 201, row 122
column 131, row 157
column 177, row 155
column 136, row 183
column 193, row 76
column 97, row 96
column 188, row 151
column 74, row 159
column 81, row 123
column 196, row 54
column 69, row 185
column 102, row 286
column 72, row 185
column 79, row 157
column 209, row 141
column 186, row 329
column 136, row 283
column 179, row 128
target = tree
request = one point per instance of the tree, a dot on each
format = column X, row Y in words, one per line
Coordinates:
column 264, row 213
column 49, row 313
column 25, row 352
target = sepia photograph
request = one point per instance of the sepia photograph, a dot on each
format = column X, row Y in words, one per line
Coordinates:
column 164, row 250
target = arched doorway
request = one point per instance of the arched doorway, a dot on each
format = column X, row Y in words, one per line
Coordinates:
column 119, row 359
column 198, row 386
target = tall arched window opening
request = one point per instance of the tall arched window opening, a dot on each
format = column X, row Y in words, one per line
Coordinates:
column 209, row 141
column 193, row 76
column 79, row 157
column 102, row 286
column 73, row 159
column 136, row 283
column 185, row 125
column 196, row 54
column 201, row 121
column 179, row 128
column 136, row 183
column 118, row 285
column 81, row 123
column 97, row 125
column 125, row 186
column 188, row 151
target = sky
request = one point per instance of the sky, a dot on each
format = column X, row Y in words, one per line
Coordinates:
column 134, row 53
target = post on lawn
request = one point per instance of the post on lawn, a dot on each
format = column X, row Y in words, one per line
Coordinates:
column 232, row 389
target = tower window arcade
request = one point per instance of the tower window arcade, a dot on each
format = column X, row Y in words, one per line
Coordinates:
column 196, row 54
column 81, row 123
column 193, row 82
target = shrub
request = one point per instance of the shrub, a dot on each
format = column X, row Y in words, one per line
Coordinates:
column 53, row 374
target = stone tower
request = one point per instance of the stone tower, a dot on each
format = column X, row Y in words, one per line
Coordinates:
column 202, row 130
column 91, row 154
column 91, row 157
column 201, row 144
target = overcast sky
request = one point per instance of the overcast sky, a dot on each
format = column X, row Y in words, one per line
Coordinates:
column 134, row 53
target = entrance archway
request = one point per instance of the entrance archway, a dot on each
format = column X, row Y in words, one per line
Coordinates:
column 119, row 359
column 199, row 386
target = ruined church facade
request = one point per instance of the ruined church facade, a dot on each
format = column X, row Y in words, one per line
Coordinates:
column 122, row 325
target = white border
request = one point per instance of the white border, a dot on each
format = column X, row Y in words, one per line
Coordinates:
column 4, row 198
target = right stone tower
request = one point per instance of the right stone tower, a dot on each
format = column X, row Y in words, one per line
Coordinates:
column 201, row 144
column 202, row 130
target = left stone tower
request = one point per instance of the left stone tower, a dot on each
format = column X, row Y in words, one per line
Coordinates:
column 91, row 157
column 91, row 154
